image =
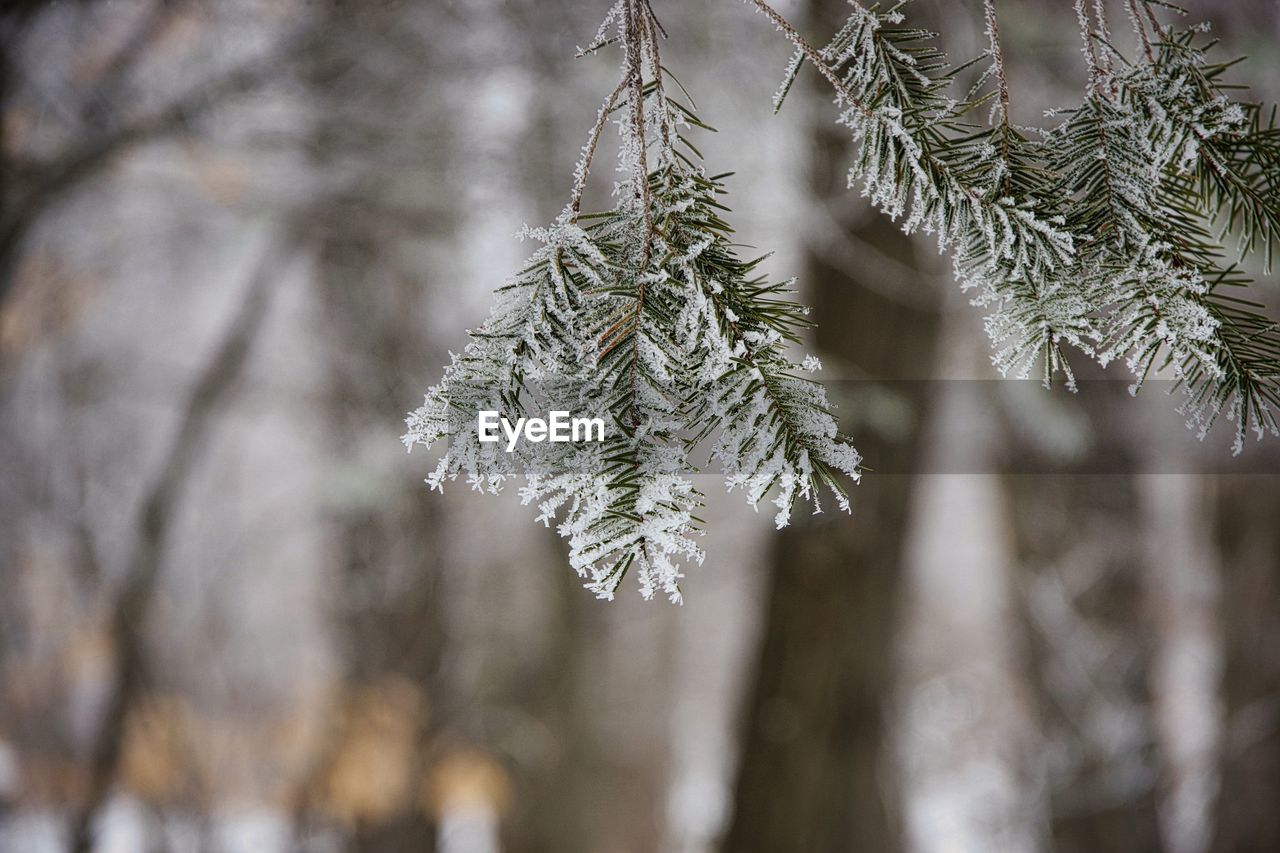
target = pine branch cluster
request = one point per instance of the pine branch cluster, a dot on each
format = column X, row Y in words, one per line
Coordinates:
column 1120, row 232
column 644, row 313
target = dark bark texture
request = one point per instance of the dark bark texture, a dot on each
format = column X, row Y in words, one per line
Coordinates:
column 815, row 770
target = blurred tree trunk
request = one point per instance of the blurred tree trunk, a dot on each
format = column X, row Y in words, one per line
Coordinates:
column 548, row 812
column 386, row 551
column 1248, row 537
column 815, row 772
column 1078, row 538
column 384, row 534
column 153, row 523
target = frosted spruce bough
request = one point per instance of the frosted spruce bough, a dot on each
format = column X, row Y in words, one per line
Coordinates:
column 1121, row 232
column 1108, row 233
column 645, row 316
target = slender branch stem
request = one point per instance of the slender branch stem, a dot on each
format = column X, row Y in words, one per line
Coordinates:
column 793, row 35
column 640, row 40
column 654, row 18
column 1090, row 55
column 997, row 58
column 1104, row 31
column 1151, row 16
column 593, row 141
column 635, row 73
column 652, row 27
column 1140, row 28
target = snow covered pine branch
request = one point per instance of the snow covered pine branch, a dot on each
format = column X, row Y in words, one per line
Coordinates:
column 1111, row 232
column 643, row 313
column 1121, row 232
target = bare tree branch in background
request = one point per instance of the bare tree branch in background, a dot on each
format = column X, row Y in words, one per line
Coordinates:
column 152, row 524
column 31, row 188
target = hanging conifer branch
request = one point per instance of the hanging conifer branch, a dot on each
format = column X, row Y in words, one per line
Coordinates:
column 1099, row 233
column 918, row 160
column 644, row 315
column 1160, row 276
column 1106, row 233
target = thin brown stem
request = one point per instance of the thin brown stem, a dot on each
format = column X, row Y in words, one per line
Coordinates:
column 654, row 18
column 1104, row 32
column 793, row 35
column 1090, row 55
column 997, row 58
column 1140, row 28
column 635, row 73
column 1002, row 90
column 640, row 40
column 593, row 141
column 1155, row 22
column 651, row 28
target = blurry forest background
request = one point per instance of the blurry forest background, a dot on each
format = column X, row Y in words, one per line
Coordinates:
column 237, row 240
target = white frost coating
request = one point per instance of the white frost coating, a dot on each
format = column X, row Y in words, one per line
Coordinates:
column 670, row 338
column 1079, row 235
